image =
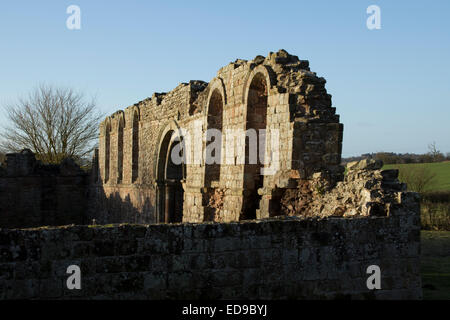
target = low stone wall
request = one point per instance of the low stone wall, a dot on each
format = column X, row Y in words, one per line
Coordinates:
column 313, row 258
column 33, row 194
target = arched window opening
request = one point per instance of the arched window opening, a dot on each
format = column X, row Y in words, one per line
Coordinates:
column 120, row 151
column 213, row 150
column 170, row 177
column 135, row 148
column 255, row 126
column 107, row 150
column 214, row 140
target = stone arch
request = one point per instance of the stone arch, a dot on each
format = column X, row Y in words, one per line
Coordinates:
column 135, row 145
column 214, row 120
column 214, row 142
column 107, row 148
column 256, row 99
column 264, row 71
column 169, row 126
column 217, row 84
column 170, row 176
column 120, row 144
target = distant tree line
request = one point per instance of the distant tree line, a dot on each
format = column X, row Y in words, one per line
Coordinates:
column 434, row 155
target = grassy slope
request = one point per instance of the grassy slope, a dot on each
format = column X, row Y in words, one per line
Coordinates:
column 441, row 169
column 435, row 264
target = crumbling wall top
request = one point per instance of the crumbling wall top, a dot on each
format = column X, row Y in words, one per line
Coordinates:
column 24, row 163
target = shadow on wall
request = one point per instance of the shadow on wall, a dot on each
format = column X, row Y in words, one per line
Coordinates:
column 34, row 194
column 112, row 208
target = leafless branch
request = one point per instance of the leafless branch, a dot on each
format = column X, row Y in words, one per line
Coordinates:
column 55, row 123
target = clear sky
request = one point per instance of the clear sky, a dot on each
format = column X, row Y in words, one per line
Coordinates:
column 391, row 86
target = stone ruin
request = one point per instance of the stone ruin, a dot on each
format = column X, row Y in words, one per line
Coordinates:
column 33, row 194
column 278, row 96
column 294, row 224
column 278, row 93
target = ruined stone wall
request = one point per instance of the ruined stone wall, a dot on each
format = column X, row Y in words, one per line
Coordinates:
column 279, row 258
column 135, row 200
column 32, row 194
column 366, row 190
column 277, row 93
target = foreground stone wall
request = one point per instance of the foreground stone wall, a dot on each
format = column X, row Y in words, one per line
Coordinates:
column 314, row 258
column 33, row 194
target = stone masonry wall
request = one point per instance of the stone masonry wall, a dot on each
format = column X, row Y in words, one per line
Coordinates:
column 366, row 190
column 277, row 93
column 33, row 194
column 289, row 257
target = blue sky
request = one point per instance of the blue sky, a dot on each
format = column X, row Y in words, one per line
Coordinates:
column 390, row 86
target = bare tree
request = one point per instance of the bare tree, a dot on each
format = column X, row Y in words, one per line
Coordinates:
column 435, row 153
column 55, row 123
column 417, row 177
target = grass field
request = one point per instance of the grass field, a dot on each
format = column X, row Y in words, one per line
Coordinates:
column 435, row 257
column 435, row 204
column 441, row 169
column 435, row 265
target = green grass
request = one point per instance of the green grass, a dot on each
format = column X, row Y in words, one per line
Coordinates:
column 441, row 169
column 435, row 265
